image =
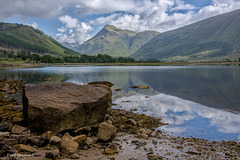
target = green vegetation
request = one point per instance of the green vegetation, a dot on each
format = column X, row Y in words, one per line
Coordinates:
column 23, row 37
column 115, row 42
column 216, row 38
column 26, row 55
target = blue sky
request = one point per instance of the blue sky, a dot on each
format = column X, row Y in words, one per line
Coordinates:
column 75, row 21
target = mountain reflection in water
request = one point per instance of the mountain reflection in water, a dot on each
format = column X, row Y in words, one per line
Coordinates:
column 186, row 118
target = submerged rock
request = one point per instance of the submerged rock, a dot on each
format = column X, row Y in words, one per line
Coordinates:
column 61, row 106
column 109, row 84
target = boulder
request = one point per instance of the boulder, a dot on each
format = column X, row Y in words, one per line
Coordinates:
column 68, row 146
column 106, row 132
column 59, row 106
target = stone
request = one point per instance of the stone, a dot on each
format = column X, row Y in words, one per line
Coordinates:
column 117, row 89
column 68, row 146
column 109, row 84
column 17, row 120
column 82, row 130
column 74, row 156
column 39, row 141
column 18, row 129
column 17, row 108
column 131, row 122
column 109, row 151
column 113, row 146
column 25, row 148
column 143, row 87
column 81, row 139
column 54, row 140
column 67, row 135
column 22, row 139
column 142, row 135
column 58, row 106
column 106, row 132
column 89, row 141
column 4, row 134
column 9, row 142
column 5, row 150
column 48, row 134
column 54, row 155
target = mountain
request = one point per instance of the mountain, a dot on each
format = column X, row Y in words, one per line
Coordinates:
column 215, row 38
column 18, row 36
column 115, row 42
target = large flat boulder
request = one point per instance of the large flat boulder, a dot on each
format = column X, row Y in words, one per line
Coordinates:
column 58, row 106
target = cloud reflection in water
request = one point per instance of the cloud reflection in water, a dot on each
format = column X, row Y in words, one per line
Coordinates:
column 186, row 118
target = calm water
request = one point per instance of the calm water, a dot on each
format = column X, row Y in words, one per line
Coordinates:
column 202, row 101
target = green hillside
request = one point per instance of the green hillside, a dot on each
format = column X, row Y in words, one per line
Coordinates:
column 23, row 37
column 115, row 42
column 215, row 38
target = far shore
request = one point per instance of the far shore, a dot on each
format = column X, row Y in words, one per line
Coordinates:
column 12, row 65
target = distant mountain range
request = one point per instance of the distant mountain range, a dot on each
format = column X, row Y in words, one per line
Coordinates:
column 18, row 37
column 215, row 38
column 115, row 42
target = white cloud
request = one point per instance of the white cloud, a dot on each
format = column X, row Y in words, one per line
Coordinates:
column 69, row 21
column 33, row 24
column 73, row 30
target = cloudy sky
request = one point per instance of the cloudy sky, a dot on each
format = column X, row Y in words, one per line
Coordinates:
column 75, row 21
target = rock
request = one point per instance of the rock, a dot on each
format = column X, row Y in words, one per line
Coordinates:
column 112, row 146
column 59, row 106
column 143, row 87
column 54, row 140
column 117, row 89
column 80, row 139
column 54, row 155
column 18, row 129
column 24, row 148
column 82, row 130
column 3, row 127
column 142, row 135
column 22, row 139
column 48, row 134
column 133, row 87
column 109, row 151
column 9, row 142
column 106, row 132
column 4, row 134
column 17, row 120
column 39, row 141
column 89, row 141
column 131, row 122
column 17, row 108
column 67, row 135
column 46, row 79
column 68, row 146
column 6, row 87
column 5, row 150
column 74, row 156
column 108, row 119
column 109, row 84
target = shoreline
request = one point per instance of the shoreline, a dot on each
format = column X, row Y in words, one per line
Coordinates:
column 29, row 65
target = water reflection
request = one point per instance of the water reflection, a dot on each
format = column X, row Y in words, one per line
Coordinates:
column 186, row 118
column 216, row 87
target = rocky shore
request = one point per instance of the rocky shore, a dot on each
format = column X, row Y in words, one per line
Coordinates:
column 115, row 134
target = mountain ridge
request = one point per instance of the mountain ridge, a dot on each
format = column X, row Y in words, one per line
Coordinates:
column 215, row 38
column 115, row 42
column 24, row 37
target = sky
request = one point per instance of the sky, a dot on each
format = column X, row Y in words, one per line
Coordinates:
column 75, row 21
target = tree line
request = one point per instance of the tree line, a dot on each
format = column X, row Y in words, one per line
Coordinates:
column 26, row 55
